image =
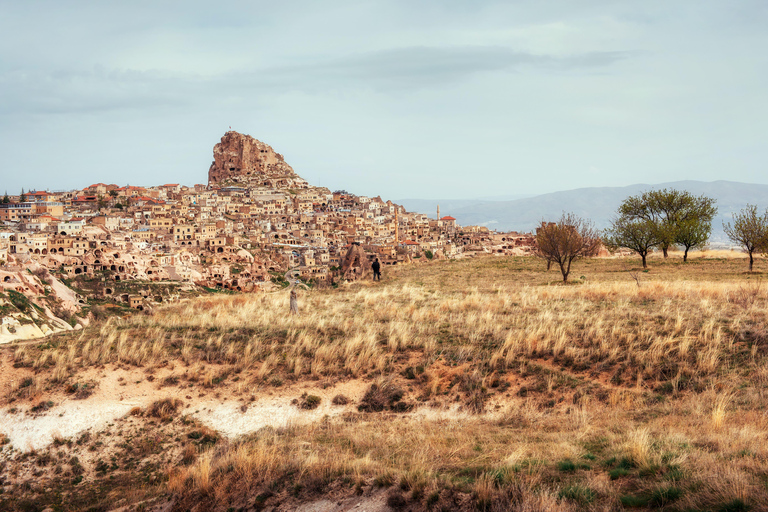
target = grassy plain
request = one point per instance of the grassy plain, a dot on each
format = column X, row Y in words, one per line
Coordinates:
column 490, row 385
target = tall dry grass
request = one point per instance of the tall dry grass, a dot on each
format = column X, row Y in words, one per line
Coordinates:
column 520, row 456
column 647, row 393
column 676, row 332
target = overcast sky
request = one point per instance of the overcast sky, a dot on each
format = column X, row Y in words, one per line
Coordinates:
column 427, row 99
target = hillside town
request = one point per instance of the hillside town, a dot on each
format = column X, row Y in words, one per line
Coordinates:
column 253, row 222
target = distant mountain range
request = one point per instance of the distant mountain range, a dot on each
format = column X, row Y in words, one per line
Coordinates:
column 598, row 204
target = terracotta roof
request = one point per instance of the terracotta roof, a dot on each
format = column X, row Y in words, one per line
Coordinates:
column 448, row 217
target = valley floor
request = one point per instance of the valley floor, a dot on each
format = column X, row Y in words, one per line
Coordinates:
column 460, row 385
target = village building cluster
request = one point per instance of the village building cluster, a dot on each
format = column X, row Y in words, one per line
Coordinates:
column 254, row 221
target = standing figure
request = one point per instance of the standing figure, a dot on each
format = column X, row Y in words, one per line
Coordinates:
column 294, row 302
column 376, row 270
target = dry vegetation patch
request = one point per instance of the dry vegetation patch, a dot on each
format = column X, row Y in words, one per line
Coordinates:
column 601, row 394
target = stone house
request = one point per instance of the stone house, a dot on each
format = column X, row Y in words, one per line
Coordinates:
column 16, row 212
column 72, row 226
column 110, row 222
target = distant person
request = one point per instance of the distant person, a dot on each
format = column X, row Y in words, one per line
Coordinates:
column 376, row 270
column 294, row 302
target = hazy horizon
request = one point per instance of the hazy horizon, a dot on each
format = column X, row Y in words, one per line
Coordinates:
column 429, row 100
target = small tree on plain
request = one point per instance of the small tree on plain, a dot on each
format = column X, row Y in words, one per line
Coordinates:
column 695, row 224
column 566, row 240
column 749, row 231
column 638, row 235
column 671, row 211
column 693, row 234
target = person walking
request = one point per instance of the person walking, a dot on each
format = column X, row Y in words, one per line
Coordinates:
column 376, row 270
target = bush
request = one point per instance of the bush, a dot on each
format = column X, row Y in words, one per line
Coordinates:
column 617, row 473
column 633, row 501
column 472, row 384
column 736, row 505
column 340, row 400
column 164, row 409
column 384, row 480
column 580, row 494
column 396, row 500
column 42, row 406
column 664, row 496
column 309, row 402
column 81, row 391
column 189, row 455
column 385, row 395
column 19, row 300
column 43, row 275
column 204, row 436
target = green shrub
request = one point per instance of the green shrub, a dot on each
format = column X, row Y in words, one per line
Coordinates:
column 633, row 501
column 19, row 300
column 309, row 402
column 617, row 473
column 664, row 496
column 578, row 493
column 735, row 505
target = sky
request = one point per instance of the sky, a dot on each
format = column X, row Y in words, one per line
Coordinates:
column 403, row 99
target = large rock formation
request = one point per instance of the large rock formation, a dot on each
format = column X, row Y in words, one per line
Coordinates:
column 356, row 264
column 241, row 159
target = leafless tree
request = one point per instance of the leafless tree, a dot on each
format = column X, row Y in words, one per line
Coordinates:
column 568, row 239
column 750, row 231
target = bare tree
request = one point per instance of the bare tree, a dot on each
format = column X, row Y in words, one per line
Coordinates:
column 563, row 241
column 749, row 230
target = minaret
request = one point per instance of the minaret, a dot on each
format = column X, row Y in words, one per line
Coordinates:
column 438, row 212
column 397, row 226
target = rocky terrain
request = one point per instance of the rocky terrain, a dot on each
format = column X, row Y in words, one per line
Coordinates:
column 241, row 159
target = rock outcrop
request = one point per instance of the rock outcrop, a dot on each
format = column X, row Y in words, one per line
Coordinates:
column 34, row 305
column 355, row 264
column 242, row 160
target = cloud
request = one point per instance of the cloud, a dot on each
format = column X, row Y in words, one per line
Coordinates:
column 423, row 66
column 100, row 89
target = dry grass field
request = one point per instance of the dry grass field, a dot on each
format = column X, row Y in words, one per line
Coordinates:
column 488, row 385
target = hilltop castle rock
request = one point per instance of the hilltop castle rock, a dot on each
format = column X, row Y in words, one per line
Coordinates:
column 242, row 160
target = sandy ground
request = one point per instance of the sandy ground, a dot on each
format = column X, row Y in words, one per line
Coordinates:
column 120, row 390
column 377, row 503
column 227, row 418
